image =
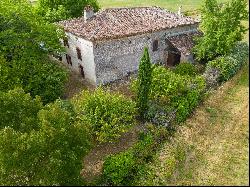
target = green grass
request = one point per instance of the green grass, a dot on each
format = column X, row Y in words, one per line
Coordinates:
column 187, row 5
column 211, row 148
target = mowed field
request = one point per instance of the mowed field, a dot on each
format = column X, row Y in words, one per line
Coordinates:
column 187, row 5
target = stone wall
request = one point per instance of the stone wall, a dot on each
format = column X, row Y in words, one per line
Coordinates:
column 114, row 59
column 87, row 61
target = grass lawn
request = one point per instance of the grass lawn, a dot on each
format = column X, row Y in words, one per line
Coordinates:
column 212, row 147
column 187, row 5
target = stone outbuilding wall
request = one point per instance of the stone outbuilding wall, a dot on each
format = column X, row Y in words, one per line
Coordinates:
column 108, row 60
column 87, row 61
column 114, row 59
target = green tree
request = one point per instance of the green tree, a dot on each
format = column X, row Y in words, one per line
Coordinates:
column 222, row 28
column 63, row 9
column 50, row 156
column 25, row 42
column 19, row 110
column 24, row 34
column 144, row 83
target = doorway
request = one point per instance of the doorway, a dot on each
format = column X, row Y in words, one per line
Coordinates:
column 173, row 58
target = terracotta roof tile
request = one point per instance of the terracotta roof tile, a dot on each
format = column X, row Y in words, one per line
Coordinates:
column 121, row 22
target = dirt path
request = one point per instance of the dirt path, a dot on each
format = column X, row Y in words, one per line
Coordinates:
column 212, row 147
column 93, row 162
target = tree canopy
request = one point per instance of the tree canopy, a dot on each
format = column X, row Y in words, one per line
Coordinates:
column 222, row 28
column 26, row 40
column 51, row 154
column 63, row 9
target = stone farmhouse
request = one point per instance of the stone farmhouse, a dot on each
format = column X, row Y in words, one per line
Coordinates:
column 107, row 45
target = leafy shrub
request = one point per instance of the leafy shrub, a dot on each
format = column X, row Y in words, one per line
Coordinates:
column 122, row 168
column 181, row 93
column 225, row 66
column 186, row 68
column 165, row 83
column 18, row 110
column 173, row 96
column 222, row 28
column 119, row 168
column 143, row 149
column 108, row 114
column 230, row 64
column 51, row 155
column 185, row 104
column 240, row 52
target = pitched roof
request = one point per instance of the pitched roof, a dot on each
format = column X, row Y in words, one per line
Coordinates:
column 184, row 42
column 121, row 22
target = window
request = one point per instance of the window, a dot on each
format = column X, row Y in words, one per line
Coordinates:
column 155, row 45
column 79, row 55
column 66, row 42
column 81, row 70
column 68, row 59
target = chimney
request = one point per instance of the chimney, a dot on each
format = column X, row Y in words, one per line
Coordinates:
column 88, row 12
column 179, row 11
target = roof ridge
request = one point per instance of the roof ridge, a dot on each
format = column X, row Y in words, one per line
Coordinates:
column 128, row 21
column 133, row 7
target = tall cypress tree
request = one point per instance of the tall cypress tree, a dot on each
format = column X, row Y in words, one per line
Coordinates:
column 144, row 83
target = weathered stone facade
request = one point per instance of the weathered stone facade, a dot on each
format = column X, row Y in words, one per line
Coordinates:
column 87, row 62
column 106, row 58
column 114, row 59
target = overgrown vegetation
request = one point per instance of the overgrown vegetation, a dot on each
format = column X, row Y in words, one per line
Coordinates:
column 211, row 148
column 109, row 115
column 222, row 28
column 181, row 93
column 124, row 167
column 49, row 152
column 44, row 145
column 230, row 64
column 25, row 42
column 186, row 68
column 175, row 93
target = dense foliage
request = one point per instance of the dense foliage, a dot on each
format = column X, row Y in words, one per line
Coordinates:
column 64, row 9
column 222, row 28
column 120, row 168
column 108, row 114
column 23, row 33
column 19, row 110
column 25, row 42
column 43, row 78
column 230, row 64
column 144, row 82
column 175, row 92
column 186, row 68
column 51, row 155
column 123, row 168
column 166, row 84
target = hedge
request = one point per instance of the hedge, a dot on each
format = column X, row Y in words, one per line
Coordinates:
column 108, row 114
column 230, row 64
